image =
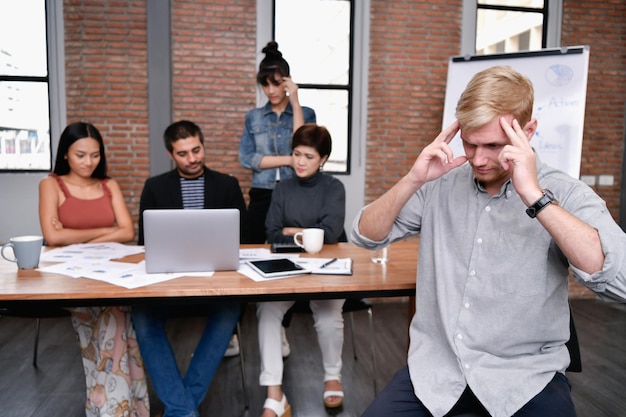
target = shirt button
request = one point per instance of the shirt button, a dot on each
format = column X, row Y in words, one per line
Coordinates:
column 459, row 336
column 479, row 240
column 472, row 273
column 466, row 305
column 466, row 366
column 487, row 208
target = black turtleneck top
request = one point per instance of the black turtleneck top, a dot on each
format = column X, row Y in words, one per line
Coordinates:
column 317, row 201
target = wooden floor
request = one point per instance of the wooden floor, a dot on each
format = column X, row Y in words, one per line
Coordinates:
column 56, row 387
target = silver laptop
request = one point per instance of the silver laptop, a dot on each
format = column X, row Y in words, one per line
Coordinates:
column 181, row 240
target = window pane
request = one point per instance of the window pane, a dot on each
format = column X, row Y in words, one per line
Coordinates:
column 23, row 38
column 24, row 126
column 314, row 37
column 517, row 31
column 331, row 109
column 513, row 3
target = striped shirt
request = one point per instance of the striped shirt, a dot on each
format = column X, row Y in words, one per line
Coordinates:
column 193, row 192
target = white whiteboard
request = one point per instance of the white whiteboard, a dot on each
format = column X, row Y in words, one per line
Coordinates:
column 559, row 78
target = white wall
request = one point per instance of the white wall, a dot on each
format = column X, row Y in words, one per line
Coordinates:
column 19, row 199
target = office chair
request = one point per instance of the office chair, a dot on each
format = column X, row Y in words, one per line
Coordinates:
column 573, row 347
column 244, row 383
column 36, row 313
column 358, row 304
column 350, row 306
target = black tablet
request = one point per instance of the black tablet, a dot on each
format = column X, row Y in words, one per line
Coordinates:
column 277, row 267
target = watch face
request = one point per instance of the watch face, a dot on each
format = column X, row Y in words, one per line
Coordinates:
column 531, row 212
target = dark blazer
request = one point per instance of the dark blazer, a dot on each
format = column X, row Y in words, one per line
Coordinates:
column 163, row 192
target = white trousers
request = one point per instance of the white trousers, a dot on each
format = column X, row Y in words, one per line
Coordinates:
column 328, row 316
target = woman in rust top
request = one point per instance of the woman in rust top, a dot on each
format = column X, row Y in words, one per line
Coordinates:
column 78, row 203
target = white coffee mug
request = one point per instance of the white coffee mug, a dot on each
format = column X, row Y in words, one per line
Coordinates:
column 26, row 251
column 312, row 239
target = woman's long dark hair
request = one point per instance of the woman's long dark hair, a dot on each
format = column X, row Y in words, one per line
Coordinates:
column 71, row 134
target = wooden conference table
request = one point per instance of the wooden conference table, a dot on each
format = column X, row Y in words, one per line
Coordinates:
column 396, row 278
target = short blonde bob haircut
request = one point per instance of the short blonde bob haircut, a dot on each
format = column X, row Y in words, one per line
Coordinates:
column 492, row 93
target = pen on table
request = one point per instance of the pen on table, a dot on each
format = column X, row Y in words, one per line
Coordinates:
column 328, row 263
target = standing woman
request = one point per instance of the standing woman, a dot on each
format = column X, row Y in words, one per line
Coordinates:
column 311, row 199
column 78, row 203
column 265, row 145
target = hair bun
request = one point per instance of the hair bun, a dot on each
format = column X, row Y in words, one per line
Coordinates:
column 271, row 49
column 271, row 65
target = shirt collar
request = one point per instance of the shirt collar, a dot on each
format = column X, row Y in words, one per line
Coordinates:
column 267, row 109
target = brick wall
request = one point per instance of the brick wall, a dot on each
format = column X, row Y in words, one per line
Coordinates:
column 106, row 83
column 602, row 26
column 214, row 74
column 410, row 43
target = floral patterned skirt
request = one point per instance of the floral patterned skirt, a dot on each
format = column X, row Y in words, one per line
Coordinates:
column 114, row 373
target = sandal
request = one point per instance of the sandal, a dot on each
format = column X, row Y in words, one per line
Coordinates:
column 280, row 408
column 333, row 393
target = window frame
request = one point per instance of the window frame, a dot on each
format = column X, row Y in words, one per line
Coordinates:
column 56, row 73
column 54, row 79
column 349, row 87
column 551, row 31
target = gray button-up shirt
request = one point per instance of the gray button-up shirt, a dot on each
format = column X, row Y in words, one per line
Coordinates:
column 492, row 306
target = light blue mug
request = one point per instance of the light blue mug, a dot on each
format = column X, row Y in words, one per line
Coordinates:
column 26, row 251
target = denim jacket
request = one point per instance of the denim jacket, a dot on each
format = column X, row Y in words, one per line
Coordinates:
column 267, row 134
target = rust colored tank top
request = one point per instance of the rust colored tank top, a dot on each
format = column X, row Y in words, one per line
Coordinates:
column 76, row 213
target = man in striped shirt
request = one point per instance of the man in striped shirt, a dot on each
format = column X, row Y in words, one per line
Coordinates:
column 191, row 185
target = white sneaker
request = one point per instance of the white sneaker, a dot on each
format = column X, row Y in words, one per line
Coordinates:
column 286, row 348
column 233, row 347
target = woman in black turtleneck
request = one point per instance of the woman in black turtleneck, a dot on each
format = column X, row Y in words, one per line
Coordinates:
column 310, row 199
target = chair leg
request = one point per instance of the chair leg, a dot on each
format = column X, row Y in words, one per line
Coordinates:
column 244, row 383
column 352, row 333
column 37, row 325
column 370, row 316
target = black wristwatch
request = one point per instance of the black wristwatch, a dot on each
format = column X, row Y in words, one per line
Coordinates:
column 546, row 198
